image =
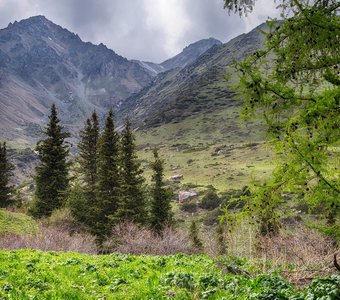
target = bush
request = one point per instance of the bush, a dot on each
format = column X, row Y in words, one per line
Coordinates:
column 210, row 200
column 133, row 239
column 63, row 219
column 50, row 239
column 190, row 207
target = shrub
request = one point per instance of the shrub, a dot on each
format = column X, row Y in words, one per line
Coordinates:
column 210, row 200
column 189, row 207
column 63, row 219
column 133, row 239
column 50, row 239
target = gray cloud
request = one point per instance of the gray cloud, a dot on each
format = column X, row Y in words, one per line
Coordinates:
column 152, row 30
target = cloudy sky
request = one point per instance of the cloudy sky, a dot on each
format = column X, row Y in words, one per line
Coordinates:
column 151, row 30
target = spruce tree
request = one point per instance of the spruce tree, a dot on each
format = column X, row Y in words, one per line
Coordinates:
column 82, row 204
column 88, row 152
column 132, row 204
column 51, row 178
column 160, row 197
column 108, row 184
column 6, row 171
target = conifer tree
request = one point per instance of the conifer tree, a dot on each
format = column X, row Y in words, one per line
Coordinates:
column 132, row 204
column 51, row 178
column 88, row 152
column 294, row 84
column 160, row 197
column 6, row 171
column 108, row 189
column 81, row 204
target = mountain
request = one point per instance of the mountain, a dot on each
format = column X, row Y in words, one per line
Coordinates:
column 42, row 63
column 153, row 68
column 190, row 54
column 181, row 60
column 197, row 88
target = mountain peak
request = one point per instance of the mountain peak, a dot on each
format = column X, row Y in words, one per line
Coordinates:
column 190, row 53
column 209, row 41
column 31, row 21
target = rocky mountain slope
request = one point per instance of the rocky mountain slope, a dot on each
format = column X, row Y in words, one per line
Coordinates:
column 197, row 88
column 181, row 60
column 41, row 63
column 190, row 54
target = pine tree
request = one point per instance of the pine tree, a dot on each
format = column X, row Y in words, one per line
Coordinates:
column 88, row 152
column 132, row 204
column 51, row 178
column 160, row 197
column 82, row 204
column 6, row 171
column 108, row 189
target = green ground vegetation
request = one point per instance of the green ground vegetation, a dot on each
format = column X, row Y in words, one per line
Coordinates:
column 27, row 274
column 16, row 223
column 209, row 149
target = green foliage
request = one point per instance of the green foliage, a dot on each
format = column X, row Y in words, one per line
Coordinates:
column 28, row 274
column 194, row 236
column 108, row 189
column 83, row 195
column 190, row 206
column 294, row 85
column 78, row 202
column 132, row 203
column 160, row 196
column 239, row 6
column 52, row 177
column 16, row 223
column 88, row 152
column 210, row 200
column 6, row 171
column 221, row 239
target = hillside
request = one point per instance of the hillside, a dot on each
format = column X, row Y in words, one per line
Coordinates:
column 190, row 54
column 197, row 88
column 16, row 223
column 42, row 63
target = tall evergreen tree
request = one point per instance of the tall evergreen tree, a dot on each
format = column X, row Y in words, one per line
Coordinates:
column 51, row 178
column 89, row 137
column 132, row 204
column 160, row 197
column 108, row 189
column 82, row 203
column 6, row 171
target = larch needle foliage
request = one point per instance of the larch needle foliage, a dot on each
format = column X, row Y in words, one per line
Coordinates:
column 294, row 84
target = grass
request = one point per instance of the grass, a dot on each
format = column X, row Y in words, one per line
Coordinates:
column 16, row 223
column 27, row 274
column 191, row 147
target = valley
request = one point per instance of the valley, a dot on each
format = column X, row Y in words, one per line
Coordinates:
column 213, row 174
